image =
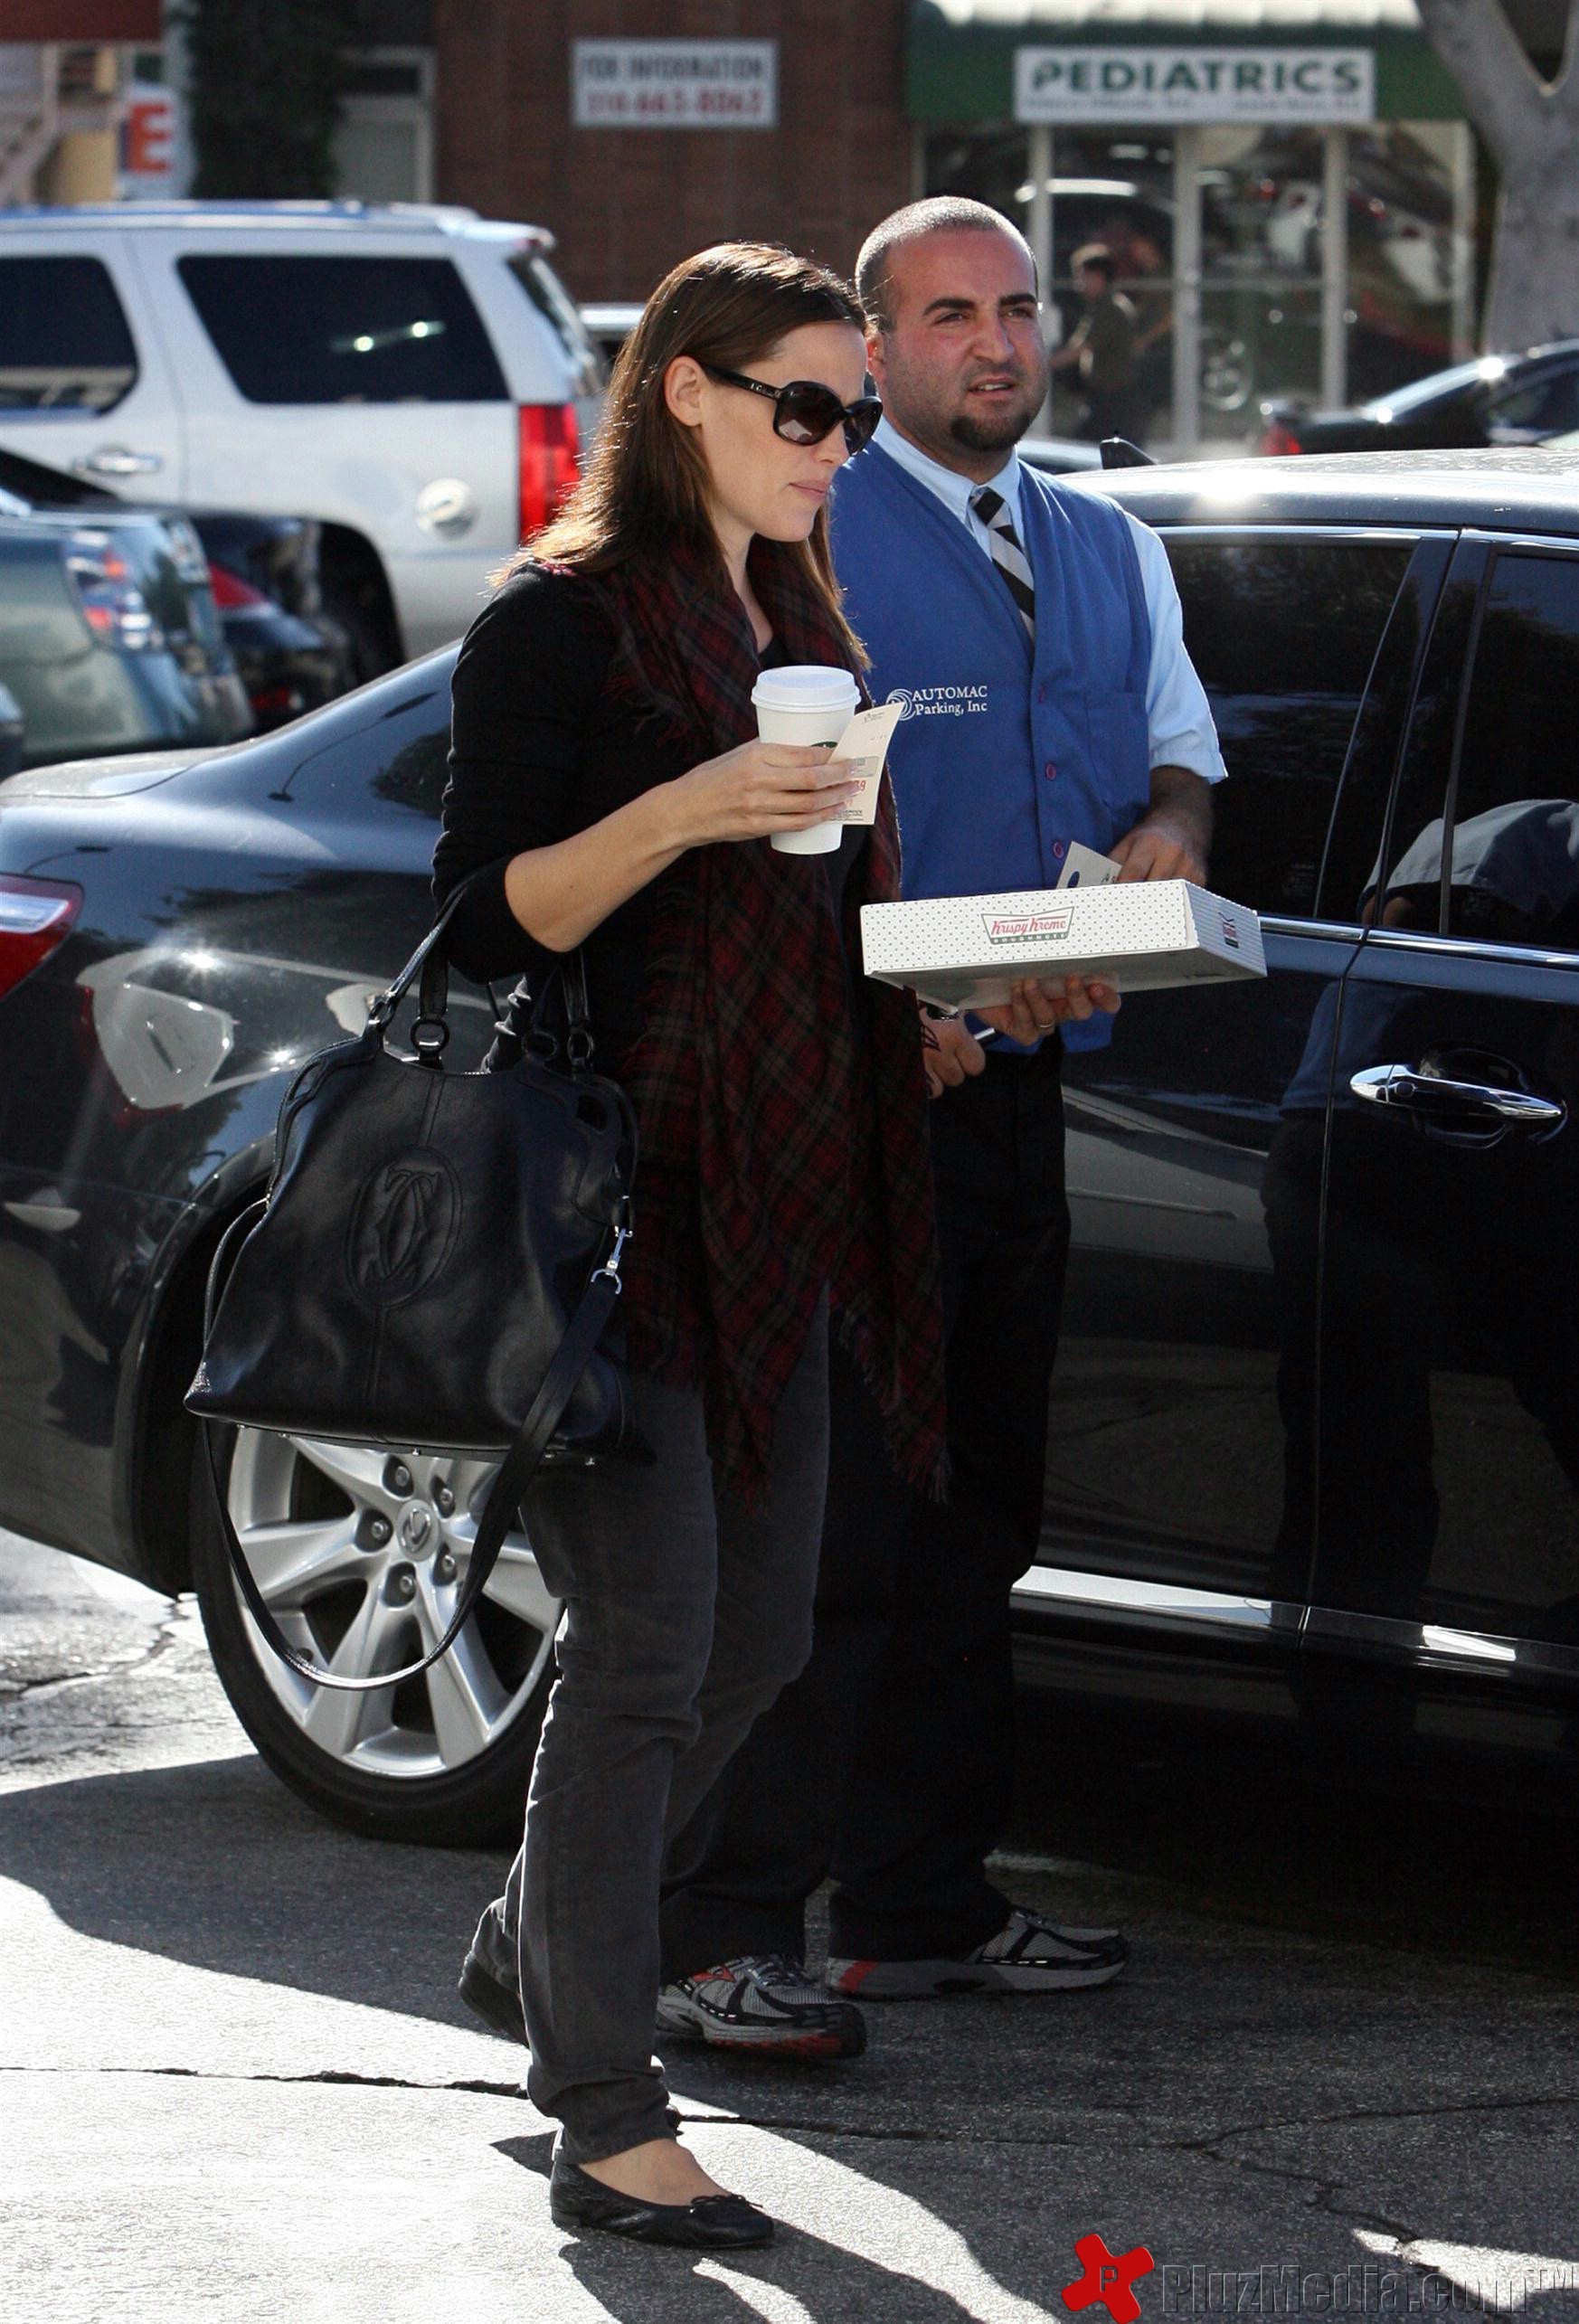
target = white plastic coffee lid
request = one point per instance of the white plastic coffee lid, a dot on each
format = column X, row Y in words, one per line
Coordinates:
column 806, row 685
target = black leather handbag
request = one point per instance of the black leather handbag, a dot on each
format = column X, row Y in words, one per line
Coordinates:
column 434, row 1262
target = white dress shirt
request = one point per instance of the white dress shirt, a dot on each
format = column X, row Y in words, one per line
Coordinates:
column 1177, row 716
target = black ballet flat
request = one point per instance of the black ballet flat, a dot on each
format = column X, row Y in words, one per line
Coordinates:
column 708, row 2223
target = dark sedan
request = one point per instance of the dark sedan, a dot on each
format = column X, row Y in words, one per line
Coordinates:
column 264, row 574
column 1316, row 1419
column 110, row 639
column 1496, row 399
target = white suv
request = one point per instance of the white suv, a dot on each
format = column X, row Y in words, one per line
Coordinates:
column 415, row 379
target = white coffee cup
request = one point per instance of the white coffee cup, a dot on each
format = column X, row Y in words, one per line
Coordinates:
column 811, row 705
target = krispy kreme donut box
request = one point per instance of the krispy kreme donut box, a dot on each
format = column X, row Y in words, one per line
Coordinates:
column 965, row 951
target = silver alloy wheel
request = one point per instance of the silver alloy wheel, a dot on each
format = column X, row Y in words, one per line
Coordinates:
column 360, row 1554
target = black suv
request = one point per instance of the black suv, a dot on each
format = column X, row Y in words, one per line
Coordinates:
column 1314, row 1450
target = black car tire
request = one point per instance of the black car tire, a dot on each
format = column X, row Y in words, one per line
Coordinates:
column 394, row 1795
column 369, row 648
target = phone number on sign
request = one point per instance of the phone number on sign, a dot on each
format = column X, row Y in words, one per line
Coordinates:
column 676, row 105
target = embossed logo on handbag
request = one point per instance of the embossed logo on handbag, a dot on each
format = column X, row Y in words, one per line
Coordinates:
column 403, row 1227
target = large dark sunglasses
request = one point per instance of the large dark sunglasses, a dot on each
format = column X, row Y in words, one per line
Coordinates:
column 804, row 412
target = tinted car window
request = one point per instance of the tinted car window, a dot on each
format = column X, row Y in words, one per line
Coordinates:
column 345, row 330
column 1548, row 406
column 1515, row 869
column 1283, row 634
column 1420, row 395
column 64, row 344
column 547, row 294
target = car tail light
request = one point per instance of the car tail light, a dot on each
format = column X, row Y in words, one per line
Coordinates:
column 1278, row 440
column 231, row 592
column 110, row 603
column 279, row 702
column 550, row 462
column 35, row 914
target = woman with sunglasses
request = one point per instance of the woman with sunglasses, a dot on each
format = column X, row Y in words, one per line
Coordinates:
column 606, row 778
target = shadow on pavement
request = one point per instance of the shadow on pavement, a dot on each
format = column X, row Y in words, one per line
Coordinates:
column 958, row 2159
column 214, row 1865
column 1269, row 1834
column 830, row 2282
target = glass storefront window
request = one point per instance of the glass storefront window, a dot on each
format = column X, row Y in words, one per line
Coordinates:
column 1403, row 248
column 1264, row 243
column 1260, row 271
column 1117, row 188
column 984, row 165
column 1105, row 188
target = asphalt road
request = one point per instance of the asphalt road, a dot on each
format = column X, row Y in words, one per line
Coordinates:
column 235, row 2082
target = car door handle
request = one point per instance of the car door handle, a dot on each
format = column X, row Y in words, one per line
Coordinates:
column 116, row 460
column 1432, row 1096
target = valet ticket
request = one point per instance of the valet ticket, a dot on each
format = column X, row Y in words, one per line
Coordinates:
column 864, row 746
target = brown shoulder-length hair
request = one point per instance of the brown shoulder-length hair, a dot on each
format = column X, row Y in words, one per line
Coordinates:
column 645, row 486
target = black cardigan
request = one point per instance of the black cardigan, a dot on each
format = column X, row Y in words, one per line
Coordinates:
column 538, row 751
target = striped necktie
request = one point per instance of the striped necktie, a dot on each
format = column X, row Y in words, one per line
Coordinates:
column 1007, row 553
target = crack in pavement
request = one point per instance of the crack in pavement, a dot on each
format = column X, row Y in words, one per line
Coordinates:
column 340, row 2077
column 324, row 2074
column 13, row 1690
column 1212, row 2146
column 16, row 1690
column 1326, row 2194
column 1373, row 2114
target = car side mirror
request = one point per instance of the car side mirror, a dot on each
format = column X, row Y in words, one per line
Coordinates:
column 1119, row 452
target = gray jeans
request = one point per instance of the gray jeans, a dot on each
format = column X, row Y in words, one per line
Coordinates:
column 685, row 1614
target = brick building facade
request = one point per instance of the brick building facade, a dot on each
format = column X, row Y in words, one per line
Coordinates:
column 627, row 204
column 1289, row 187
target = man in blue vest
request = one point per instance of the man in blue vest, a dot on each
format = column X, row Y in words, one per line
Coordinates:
column 1033, row 633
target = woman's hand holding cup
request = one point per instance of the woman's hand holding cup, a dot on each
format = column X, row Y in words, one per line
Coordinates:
column 756, row 790
column 810, row 704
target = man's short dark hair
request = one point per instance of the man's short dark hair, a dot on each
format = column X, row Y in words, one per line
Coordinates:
column 1099, row 258
column 940, row 213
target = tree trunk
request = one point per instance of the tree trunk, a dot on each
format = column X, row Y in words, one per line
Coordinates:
column 1531, row 130
column 1533, row 294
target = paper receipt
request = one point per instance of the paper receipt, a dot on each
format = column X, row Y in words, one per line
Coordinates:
column 864, row 746
column 1084, row 868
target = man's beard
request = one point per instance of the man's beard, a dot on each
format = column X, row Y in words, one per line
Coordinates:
column 984, row 435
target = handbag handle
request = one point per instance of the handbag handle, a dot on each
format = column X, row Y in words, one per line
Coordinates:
column 516, row 1472
column 382, row 1006
column 430, row 962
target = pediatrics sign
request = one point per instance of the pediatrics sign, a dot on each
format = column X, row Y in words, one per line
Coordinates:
column 1094, row 83
column 674, row 84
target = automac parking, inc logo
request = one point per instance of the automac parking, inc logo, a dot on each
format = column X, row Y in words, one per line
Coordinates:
column 937, row 702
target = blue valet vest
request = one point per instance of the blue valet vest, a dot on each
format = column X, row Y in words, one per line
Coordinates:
column 1003, row 755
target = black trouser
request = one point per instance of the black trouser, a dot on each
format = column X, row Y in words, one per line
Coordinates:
column 887, row 1763
column 685, row 1611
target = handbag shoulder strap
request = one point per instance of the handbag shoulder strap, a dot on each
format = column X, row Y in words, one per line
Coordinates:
column 430, row 962
column 504, row 1494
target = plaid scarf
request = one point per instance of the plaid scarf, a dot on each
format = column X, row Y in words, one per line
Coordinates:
column 783, row 1129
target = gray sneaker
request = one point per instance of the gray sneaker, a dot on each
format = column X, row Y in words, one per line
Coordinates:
column 764, row 2005
column 1028, row 1955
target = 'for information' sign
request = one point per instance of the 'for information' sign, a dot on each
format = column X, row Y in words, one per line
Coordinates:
column 674, row 84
